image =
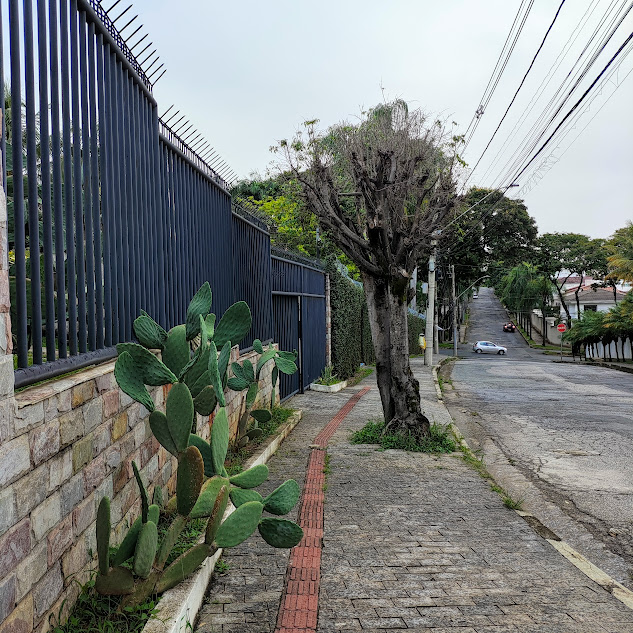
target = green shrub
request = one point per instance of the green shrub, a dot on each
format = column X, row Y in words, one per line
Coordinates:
column 439, row 441
column 351, row 335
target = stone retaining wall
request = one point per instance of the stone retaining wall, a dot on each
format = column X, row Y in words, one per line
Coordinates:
column 63, row 446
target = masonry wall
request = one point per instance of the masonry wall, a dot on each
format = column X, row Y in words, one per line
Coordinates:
column 63, row 446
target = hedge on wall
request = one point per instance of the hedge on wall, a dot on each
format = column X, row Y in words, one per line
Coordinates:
column 347, row 301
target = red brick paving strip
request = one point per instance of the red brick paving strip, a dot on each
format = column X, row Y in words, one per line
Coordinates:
column 300, row 601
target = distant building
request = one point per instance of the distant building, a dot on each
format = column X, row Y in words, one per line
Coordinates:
column 590, row 297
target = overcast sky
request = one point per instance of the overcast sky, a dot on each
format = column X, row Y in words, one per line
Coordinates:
column 249, row 73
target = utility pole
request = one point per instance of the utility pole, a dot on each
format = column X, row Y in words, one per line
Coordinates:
column 436, row 322
column 429, row 330
column 454, row 311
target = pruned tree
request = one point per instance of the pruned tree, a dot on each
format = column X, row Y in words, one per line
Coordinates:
column 381, row 188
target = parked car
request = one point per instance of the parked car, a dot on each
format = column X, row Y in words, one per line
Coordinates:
column 475, row 295
column 487, row 347
column 509, row 327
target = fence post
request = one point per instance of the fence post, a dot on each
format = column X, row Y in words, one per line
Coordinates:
column 6, row 344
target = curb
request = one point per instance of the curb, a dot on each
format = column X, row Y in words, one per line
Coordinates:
column 436, row 382
column 179, row 607
column 593, row 572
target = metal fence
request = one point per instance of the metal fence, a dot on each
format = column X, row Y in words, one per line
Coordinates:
column 298, row 291
column 110, row 211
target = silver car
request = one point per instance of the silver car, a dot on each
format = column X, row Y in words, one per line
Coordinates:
column 487, row 347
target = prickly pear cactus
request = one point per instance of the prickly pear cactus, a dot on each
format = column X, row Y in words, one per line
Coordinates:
column 195, row 361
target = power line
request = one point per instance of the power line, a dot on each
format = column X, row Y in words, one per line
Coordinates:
column 575, row 106
column 536, row 134
column 519, row 88
column 486, row 97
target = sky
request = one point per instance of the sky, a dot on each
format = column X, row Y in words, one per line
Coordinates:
column 247, row 74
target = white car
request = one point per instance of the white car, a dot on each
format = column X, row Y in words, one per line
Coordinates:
column 487, row 347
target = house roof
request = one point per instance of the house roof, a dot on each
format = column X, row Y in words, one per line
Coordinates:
column 591, row 294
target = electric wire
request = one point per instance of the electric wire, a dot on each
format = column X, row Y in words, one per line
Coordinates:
column 487, row 96
column 538, row 131
column 551, row 26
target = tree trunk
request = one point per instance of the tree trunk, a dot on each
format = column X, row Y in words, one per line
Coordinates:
column 399, row 390
column 562, row 302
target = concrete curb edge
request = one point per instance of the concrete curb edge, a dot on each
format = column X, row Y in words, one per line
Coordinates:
column 180, row 606
column 593, row 572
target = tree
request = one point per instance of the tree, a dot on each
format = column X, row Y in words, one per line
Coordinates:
column 560, row 256
column 525, row 288
column 381, row 188
column 620, row 250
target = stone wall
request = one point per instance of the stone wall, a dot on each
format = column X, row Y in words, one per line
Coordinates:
column 63, row 446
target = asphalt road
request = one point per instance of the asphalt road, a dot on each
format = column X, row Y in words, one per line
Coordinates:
column 568, row 428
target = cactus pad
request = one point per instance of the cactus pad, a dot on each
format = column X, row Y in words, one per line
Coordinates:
column 252, row 477
column 219, row 440
column 205, row 401
column 128, row 545
column 257, row 346
column 131, row 380
column 169, row 540
column 144, row 501
column 152, row 370
column 176, row 350
column 205, row 451
column 262, row 415
column 145, row 550
column 280, row 532
column 160, row 429
column 223, row 359
column 266, row 356
column 240, row 525
column 180, row 413
column 208, row 495
column 198, row 368
column 217, row 513
column 239, row 496
column 199, row 306
column 189, row 479
column 182, row 567
column 251, row 394
column 153, row 513
column 214, row 374
column 237, row 384
column 283, row 499
column 117, row 582
column 157, row 497
column 285, row 365
column 234, row 325
column 254, row 433
column 148, row 332
column 103, row 535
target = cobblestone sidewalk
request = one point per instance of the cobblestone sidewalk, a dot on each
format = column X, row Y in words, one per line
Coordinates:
column 411, row 542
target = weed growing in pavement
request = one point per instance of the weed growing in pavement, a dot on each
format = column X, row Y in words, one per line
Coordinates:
column 221, row 567
column 327, row 469
column 363, row 372
column 440, row 441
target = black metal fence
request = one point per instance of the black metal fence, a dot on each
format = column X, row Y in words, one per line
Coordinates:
column 110, row 211
column 298, row 292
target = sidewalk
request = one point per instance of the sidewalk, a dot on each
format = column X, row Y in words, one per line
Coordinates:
column 410, row 541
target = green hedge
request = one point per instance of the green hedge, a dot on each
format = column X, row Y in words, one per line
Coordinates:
column 351, row 336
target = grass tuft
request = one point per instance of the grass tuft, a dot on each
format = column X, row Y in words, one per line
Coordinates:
column 440, row 440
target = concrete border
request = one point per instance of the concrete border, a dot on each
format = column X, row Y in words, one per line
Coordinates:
column 180, row 605
column 337, row 386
